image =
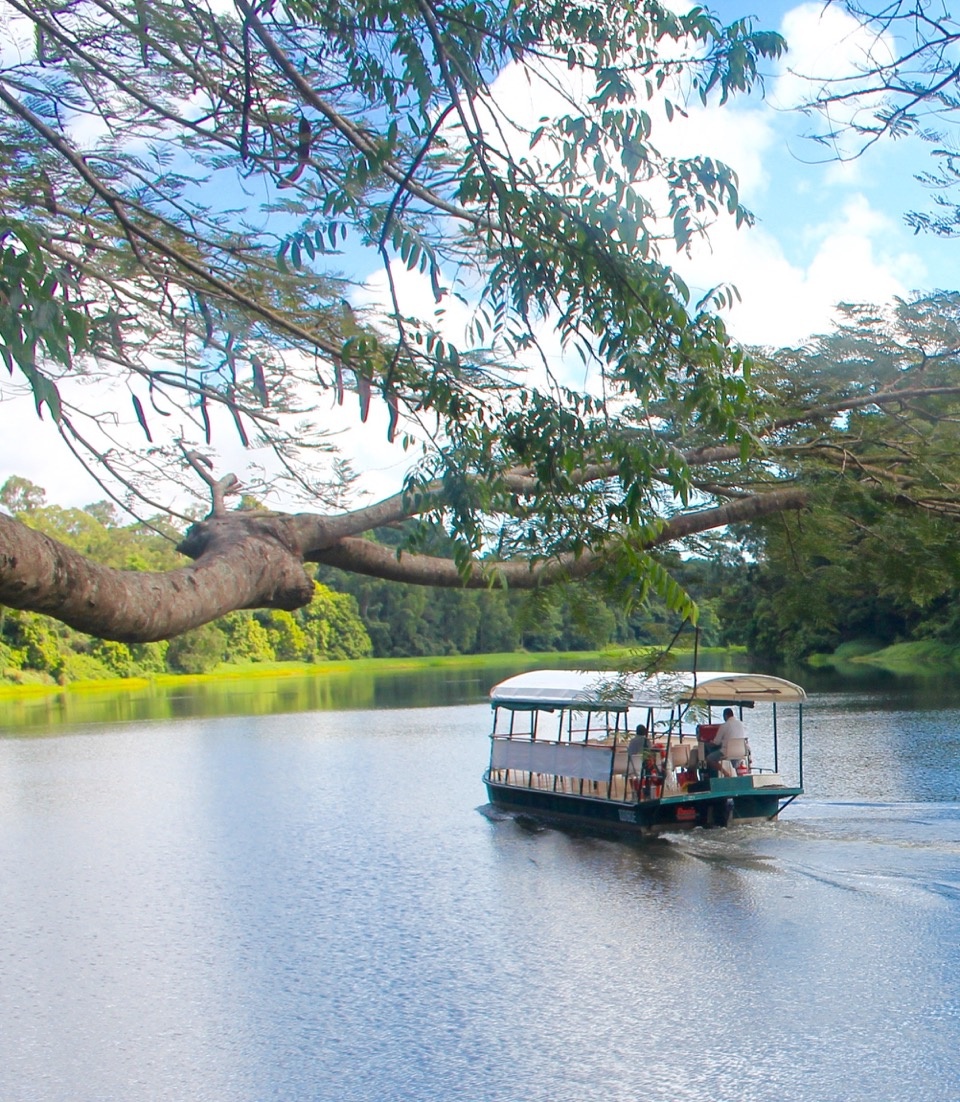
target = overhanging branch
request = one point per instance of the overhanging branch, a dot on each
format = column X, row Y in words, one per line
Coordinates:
column 255, row 561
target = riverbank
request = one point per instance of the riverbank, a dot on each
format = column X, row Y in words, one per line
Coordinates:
column 247, row 671
column 923, row 658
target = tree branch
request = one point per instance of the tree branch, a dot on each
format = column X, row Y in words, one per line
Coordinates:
column 243, row 564
column 255, row 561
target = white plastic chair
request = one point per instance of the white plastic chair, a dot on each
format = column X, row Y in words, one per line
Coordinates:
column 738, row 749
column 680, row 754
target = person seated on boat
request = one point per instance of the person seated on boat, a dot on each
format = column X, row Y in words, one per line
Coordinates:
column 636, row 748
column 639, row 742
column 731, row 728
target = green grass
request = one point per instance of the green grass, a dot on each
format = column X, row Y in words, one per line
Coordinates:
column 921, row 657
column 247, row 671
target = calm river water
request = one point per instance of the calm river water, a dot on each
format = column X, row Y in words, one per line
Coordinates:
column 314, row 906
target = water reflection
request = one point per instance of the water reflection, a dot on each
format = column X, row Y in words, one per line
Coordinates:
column 325, row 690
column 308, row 907
column 322, row 691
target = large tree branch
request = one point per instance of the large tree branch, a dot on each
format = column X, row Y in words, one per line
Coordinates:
column 255, row 561
column 243, row 565
column 364, row 557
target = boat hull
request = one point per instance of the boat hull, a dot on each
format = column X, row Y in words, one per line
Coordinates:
column 725, row 802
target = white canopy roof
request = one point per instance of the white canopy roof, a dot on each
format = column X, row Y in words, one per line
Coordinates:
column 609, row 690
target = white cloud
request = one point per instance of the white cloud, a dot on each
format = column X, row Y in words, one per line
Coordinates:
column 825, row 44
column 829, row 51
column 783, row 301
column 17, row 39
column 739, row 137
column 845, row 173
column 851, row 256
column 32, row 448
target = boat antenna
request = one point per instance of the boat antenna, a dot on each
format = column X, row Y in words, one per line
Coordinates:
column 696, row 660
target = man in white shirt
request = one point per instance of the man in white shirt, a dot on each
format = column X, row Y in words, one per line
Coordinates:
column 731, row 728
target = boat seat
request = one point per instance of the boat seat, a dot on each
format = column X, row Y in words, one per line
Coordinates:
column 738, row 749
column 706, row 732
column 680, row 754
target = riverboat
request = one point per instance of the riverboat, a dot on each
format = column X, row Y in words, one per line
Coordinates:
column 565, row 747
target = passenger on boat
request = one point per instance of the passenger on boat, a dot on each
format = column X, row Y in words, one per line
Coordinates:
column 636, row 748
column 731, row 728
column 638, row 743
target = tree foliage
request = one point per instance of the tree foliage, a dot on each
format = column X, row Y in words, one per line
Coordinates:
column 209, row 192
column 208, row 188
column 876, row 557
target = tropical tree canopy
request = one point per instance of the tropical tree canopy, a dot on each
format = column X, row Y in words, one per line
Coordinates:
column 207, row 188
column 875, row 558
column 192, row 194
column 194, row 199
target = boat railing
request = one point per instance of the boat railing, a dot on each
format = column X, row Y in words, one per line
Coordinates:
column 566, row 759
column 604, row 770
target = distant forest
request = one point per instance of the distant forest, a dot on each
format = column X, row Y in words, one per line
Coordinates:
column 781, row 594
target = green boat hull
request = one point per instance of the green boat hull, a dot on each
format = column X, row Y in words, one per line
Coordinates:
column 723, row 802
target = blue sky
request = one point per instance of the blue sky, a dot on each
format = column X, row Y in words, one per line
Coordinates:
column 827, row 231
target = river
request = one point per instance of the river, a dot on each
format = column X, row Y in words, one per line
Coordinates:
column 312, row 906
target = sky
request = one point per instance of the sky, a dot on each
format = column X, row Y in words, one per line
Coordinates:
column 828, row 230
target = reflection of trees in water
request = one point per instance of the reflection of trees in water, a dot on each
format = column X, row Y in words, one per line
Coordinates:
column 261, row 695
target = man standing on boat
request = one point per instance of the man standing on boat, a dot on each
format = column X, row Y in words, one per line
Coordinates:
column 731, row 728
